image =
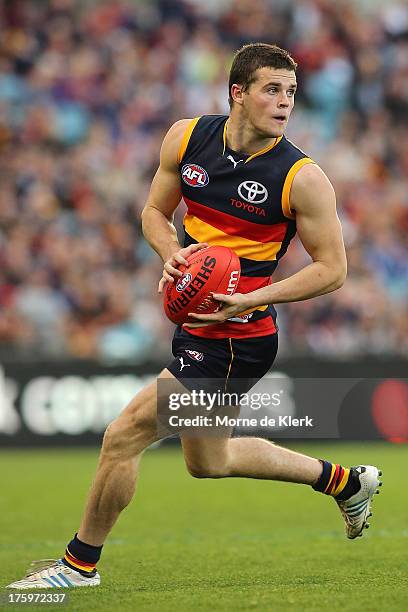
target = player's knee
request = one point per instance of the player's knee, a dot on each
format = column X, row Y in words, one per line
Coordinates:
column 114, row 439
column 202, row 469
column 128, row 436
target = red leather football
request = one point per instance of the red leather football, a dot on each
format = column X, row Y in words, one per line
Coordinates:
column 213, row 269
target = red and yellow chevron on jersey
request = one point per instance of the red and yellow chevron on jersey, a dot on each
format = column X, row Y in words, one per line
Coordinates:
column 242, row 202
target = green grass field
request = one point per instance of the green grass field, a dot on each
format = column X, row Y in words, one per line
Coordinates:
column 187, row 544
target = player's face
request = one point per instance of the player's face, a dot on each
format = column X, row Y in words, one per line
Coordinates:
column 269, row 100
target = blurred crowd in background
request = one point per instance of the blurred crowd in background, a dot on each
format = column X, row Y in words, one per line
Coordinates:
column 87, row 92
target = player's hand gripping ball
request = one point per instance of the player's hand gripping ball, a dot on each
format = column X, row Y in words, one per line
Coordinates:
column 214, row 269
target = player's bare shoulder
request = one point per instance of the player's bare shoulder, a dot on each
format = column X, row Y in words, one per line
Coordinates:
column 172, row 142
column 311, row 188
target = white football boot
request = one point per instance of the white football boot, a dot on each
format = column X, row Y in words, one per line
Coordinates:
column 53, row 574
column 357, row 509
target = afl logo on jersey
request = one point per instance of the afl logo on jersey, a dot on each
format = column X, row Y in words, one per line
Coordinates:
column 253, row 192
column 194, row 175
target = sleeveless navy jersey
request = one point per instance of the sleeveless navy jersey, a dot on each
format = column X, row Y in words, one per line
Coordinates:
column 242, row 202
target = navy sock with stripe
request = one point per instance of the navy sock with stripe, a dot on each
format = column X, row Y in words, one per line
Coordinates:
column 337, row 481
column 82, row 557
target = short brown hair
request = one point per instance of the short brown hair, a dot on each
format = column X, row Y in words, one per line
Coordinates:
column 250, row 57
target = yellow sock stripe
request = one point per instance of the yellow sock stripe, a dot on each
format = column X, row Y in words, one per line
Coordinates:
column 80, row 567
column 287, row 186
column 333, row 469
column 186, row 138
column 343, row 482
column 71, row 559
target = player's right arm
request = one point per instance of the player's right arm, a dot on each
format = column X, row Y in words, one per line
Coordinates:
column 163, row 199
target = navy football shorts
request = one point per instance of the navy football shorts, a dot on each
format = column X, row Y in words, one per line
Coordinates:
column 232, row 365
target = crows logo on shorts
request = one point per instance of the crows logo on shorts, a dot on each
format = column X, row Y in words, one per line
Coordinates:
column 195, row 355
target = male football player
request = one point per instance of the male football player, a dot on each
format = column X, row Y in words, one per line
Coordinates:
column 249, row 188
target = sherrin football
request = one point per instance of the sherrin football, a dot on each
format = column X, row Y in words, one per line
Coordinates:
column 214, row 269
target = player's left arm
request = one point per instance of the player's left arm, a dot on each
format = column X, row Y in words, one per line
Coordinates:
column 313, row 201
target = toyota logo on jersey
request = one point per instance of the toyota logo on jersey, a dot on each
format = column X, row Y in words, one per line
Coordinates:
column 253, row 192
column 194, row 175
